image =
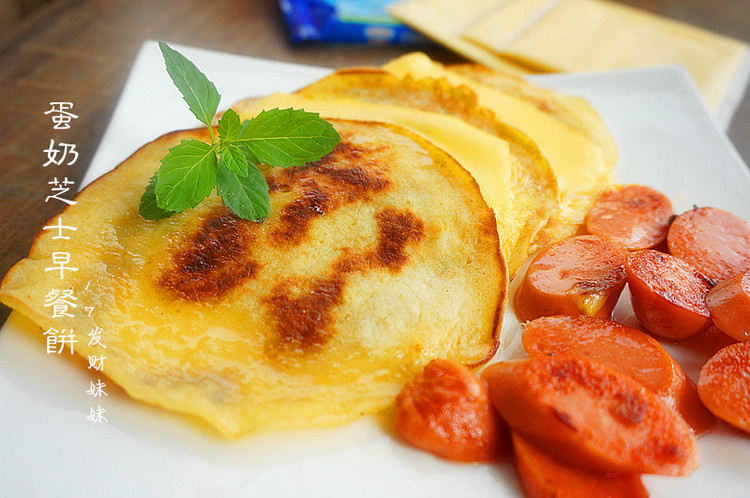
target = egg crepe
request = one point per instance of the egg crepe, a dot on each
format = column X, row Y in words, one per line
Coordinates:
column 484, row 155
column 580, row 165
column 532, row 182
column 374, row 260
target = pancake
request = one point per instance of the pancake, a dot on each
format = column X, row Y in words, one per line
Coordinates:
column 532, row 181
column 484, row 155
column 376, row 259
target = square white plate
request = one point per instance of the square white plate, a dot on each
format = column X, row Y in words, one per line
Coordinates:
column 666, row 139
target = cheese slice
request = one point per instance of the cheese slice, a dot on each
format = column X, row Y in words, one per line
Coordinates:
column 506, row 21
column 446, row 20
column 572, row 110
column 580, row 166
column 624, row 37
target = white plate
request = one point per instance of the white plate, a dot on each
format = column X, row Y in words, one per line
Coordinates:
column 666, row 139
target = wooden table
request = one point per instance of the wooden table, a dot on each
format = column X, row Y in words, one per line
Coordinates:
column 81, row 51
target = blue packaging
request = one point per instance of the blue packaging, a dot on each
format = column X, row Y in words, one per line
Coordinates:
column 346, row 21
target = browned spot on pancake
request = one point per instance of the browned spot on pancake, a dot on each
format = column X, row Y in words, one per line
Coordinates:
column 213, row 261
column 296, row 216
column 350, row 262
column 348, row 174
column 396, row 231
column 355, row 166
column 305, row 321
column 355, row 182
column 273, row 184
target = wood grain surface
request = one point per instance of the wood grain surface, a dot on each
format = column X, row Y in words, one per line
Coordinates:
column 81, row 51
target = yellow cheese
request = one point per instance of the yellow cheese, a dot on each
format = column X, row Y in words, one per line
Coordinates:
column 622, row 37
column 506, row 21
column 446, row 20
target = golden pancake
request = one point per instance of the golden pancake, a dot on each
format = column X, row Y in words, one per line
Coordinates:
column 532, row 182
column 487, row 157
column 374, row 260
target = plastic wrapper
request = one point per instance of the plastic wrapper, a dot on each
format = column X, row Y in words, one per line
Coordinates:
column 346, row 21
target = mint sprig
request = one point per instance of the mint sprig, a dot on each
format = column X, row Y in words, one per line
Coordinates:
column 192, row 169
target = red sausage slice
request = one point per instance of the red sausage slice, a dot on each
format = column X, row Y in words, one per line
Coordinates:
column 635, row 216
column 581, row 275
column 724, row 385
column 668, row 295
column 445, row 410
column 714, row 241
column 624, row 349
column 585, row 414
column 729, row 304
column 544, row 477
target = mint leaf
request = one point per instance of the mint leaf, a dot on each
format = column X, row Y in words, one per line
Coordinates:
column 187, row 175
column 250, row 157
column 246, row 196
column 229, row 125
column 200, row 94
column 233, row 157
column 288, row 137
column 149, row 208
